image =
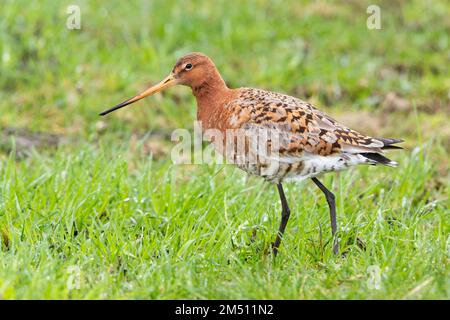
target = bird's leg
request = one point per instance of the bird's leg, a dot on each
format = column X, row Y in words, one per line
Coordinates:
column 332, row 205
column 285, row 213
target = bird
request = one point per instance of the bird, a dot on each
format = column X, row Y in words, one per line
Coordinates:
column 284, row 138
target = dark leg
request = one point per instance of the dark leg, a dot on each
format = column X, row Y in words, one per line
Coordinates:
column 332, row 205
column 285, row 212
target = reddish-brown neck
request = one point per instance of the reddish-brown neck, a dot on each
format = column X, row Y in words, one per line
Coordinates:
column 211, row 85
column 212, row 97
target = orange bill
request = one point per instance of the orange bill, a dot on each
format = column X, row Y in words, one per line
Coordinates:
column 164, row 84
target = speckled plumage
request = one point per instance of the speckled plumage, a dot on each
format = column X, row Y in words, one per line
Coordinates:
column 310, row 142
column 271, row 135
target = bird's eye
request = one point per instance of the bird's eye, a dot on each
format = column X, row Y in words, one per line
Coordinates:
column 188, row 66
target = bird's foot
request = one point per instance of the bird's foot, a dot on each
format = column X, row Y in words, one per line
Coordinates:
column 274, row 248
column 335, row 247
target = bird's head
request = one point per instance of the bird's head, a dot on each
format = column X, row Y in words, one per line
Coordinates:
column 193, row 70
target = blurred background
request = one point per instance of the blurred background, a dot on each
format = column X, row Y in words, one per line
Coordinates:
column 98, row 199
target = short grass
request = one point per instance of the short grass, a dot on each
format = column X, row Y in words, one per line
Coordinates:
column 94, row 208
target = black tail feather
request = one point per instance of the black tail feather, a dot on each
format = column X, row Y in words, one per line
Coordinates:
column 378, row 158
column 388, row 143
column 391, row 147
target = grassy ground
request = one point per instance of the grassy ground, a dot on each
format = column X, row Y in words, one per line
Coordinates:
column 94, row 208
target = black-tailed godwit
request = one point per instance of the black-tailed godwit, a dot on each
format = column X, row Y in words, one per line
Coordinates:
column 295, row 141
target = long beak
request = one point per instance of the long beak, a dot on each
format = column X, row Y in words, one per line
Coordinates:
column 164, row 84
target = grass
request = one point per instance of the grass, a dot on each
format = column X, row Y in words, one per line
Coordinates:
column 93, row 208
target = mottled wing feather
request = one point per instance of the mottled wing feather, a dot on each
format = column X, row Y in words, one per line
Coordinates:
column 307, row 128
